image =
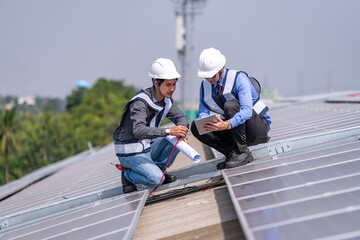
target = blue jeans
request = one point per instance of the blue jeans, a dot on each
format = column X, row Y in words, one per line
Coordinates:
column 144, row 168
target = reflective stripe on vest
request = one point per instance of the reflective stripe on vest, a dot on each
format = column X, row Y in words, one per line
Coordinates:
column 131, row 148
column 226, row 92
column 258, row 106
column 229, row 85
column 128, row 149
column 208, row 98
column 168, row 105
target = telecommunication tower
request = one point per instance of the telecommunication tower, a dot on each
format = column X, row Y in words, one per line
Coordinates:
column 185, row 11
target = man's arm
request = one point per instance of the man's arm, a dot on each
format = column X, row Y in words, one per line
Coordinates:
column 177, row 117
column 181, row 122
column 243, row 89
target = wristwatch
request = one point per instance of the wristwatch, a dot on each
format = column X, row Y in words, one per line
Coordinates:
column 167, row 130
column 229, row 124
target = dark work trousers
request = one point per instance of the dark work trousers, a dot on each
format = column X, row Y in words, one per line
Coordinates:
column 252, row 132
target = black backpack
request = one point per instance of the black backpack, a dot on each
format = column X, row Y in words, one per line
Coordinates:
column 255, row 83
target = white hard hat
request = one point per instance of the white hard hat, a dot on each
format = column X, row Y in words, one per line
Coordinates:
column 163, row 68
column 210, row 62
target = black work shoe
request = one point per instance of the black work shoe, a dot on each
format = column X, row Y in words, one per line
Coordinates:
column 221, row 166
column 127, row 186
column 169, row 178
column 239, row 159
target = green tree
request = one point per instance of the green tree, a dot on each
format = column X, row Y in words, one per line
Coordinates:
column 75, row 98
column 44, row 139
column 8, row 143
column 95, row 118
column 51, row 134
column 54, row 105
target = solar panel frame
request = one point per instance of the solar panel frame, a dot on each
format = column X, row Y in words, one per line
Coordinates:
column 313, row 117
column 266, row 202
column 104, row 219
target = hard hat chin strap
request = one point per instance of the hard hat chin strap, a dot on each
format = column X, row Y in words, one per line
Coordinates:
column 158, row 87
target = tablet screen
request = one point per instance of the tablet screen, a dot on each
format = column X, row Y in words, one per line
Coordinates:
column 201, row 121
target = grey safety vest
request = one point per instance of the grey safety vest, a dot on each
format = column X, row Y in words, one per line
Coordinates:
column 210, row 103
column 143, row 145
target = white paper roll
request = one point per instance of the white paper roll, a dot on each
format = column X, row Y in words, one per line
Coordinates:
column 185, row 148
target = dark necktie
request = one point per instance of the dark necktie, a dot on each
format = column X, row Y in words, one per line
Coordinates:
column 218, row 91
column 218, row 98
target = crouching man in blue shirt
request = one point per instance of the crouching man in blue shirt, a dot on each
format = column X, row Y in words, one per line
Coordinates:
column 140, row 142
column 231, row 94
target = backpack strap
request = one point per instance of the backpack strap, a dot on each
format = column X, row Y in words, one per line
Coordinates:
column 256, row 85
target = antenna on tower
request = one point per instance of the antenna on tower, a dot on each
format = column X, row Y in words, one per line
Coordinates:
column 185, row 10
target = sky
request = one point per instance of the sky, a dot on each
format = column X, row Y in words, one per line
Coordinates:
column 299, row 47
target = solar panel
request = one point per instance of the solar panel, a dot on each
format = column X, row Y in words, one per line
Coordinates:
column 114, row 218
column 303, row 196
column 93, row 174
column 319, row 228
column 311, row 118
column 18, row 184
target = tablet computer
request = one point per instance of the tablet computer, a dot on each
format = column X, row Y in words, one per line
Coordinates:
column 201, row 121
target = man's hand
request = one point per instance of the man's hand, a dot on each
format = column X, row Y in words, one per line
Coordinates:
column 183, row 139
column 179, row 131
column 218, row 125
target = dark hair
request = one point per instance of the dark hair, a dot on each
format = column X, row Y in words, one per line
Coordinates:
column 158, row 80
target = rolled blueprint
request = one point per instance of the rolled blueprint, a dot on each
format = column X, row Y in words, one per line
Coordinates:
column 185, row 148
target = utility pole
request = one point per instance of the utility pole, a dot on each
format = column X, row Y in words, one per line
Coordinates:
column 185, row 10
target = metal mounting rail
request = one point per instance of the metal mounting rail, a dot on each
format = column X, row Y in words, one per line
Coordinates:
column 273, row 150
column 194, row 173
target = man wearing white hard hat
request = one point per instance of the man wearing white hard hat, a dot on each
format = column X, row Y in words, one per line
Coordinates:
column 236, row 97
column 140, row 143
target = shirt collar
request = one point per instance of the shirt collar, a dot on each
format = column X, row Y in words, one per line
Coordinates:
column 221, row 82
